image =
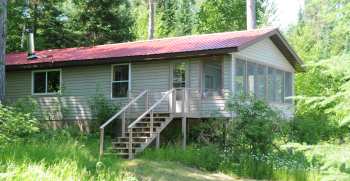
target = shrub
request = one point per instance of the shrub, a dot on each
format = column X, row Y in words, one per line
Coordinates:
column 26, row 105
column 102, row 109
column 15, row 125
column 255, row 125
column 210, row 131
column 322, row 128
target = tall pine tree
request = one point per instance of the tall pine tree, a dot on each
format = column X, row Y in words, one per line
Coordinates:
column 104, row 21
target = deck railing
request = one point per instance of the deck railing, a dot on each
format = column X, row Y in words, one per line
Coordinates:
column 178, row 102
column 150, row 111
column 123, row 112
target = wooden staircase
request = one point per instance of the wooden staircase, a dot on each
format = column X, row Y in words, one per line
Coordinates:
column 142, row 136
column 145, row 129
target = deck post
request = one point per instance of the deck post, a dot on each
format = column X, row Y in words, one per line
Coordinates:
column 130, row 144
column 174, row 102
column 157, row 140
column 184, row 132
column 101, row 141
column 151, row 117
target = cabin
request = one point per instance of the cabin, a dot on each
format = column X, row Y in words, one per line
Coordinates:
column 156, row 82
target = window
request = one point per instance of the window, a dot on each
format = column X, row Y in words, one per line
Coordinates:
column 120, row 80
column 212, row 77
column 288, row 87
column 240, row 77
column 179, row 75
column 260, row 90
column 46, row 82
column 264, row 82
column 251, row 78
column 279, row 86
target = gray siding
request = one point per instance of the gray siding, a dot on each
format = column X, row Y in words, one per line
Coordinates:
column 82, row 83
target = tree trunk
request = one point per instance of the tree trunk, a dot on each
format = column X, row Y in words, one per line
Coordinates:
column 151, row 12
column 3, row 14
column 251, row 15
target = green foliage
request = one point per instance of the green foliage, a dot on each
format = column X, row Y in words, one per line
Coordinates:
column 333, row 98
column 26, row 105
column 322, row 128
column 226, row 15
column 321, row 37
column 104, row 21
column 255, row 125
column 211, row 131
column 68, row 23
column 323, row 30
column 15, row 125
column 272, row 166
column 175, row 18
column 206, row 157
column 331, row 160
column 102, row 109
column 57, row 155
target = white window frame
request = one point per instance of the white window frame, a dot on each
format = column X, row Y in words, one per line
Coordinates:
column 46, row 71
column 112, row 81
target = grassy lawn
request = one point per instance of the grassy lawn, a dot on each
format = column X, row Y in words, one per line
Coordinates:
column 332, row 160
column 61, row 156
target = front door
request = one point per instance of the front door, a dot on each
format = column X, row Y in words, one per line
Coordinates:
column 179, row 83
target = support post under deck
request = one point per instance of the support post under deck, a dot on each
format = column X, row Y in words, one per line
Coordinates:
column 184, row 132
column 157, row 140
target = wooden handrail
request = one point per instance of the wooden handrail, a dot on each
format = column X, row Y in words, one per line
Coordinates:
column 122, row 111
column 150, row 109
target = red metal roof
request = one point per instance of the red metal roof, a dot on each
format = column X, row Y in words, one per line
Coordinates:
column 141, row 48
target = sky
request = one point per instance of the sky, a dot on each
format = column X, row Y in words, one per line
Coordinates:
column 286, row 12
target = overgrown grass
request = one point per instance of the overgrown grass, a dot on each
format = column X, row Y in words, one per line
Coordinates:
column 275, row 166
column 58, row 156
column 206, row 158
column 332, row 160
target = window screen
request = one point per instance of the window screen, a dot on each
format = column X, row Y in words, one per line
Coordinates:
column 240, row 77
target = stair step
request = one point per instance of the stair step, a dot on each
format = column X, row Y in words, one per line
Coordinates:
column 155, row 123
column 126, row 142
column 134, row 139
column 143, row 129
column 122, row 150
column 139, row 134
column 156, row 117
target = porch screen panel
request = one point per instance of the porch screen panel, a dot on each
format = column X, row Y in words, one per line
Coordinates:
column 260, row 88
column 212, row 76
column 251, row 78
column 288, row 87
column 271, row 85
column 279, row 86
column 240, row 77
column 275, row 85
